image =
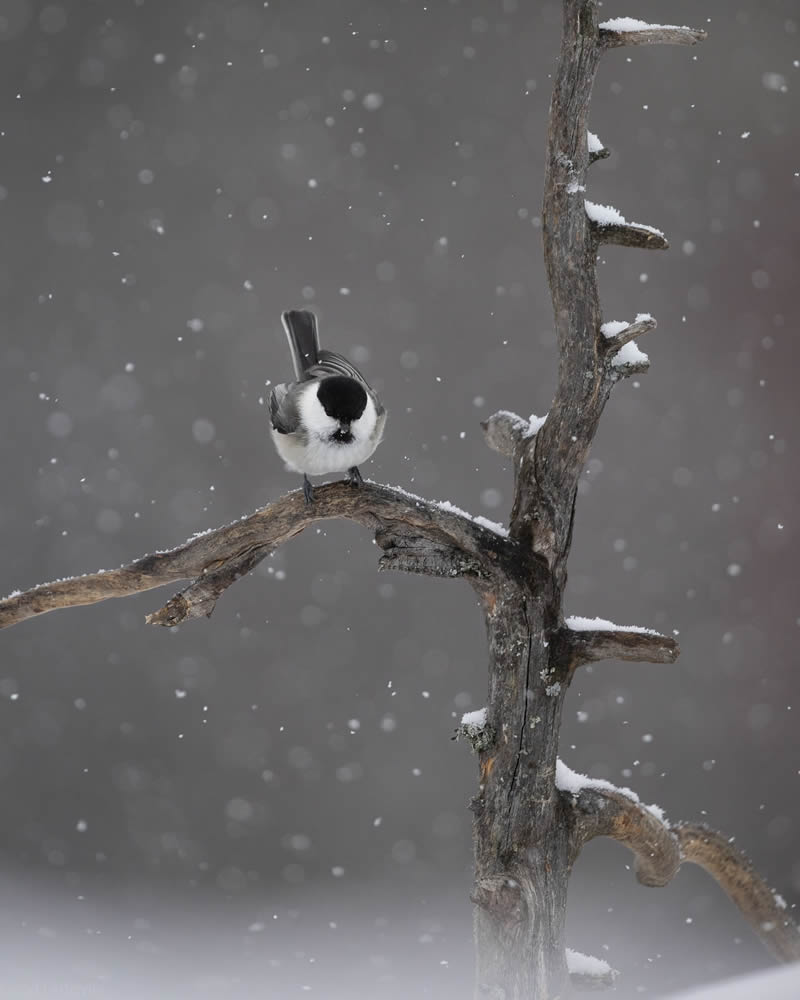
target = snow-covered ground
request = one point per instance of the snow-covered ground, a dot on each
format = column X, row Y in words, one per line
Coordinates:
column 776, row 984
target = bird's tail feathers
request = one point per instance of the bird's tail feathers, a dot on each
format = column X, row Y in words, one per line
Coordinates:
column 301, row 331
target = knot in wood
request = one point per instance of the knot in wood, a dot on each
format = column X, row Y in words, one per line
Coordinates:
column 501, row 897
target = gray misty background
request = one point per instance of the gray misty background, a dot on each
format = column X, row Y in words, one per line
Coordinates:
column 269, row 803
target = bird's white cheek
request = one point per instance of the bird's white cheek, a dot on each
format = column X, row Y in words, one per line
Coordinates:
column 315, row 420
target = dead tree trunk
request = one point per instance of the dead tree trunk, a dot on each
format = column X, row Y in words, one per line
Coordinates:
column 524, row 825
column 532, row 815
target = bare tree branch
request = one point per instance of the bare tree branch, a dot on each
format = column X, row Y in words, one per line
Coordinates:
column 762, row 908
column 609, row 812
column 429, row 535
column 631, row 234
column 590, row 646
column 648, row 34
column 660, row 849
column 598, row 154
column 629, row 333
column 506, row 431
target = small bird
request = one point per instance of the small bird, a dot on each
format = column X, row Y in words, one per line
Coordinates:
column 329, row 419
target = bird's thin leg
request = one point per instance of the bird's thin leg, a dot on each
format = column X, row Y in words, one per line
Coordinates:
column 308, row 489
column 354, row 476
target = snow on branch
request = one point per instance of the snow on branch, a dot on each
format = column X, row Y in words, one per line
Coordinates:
column 764, row 909
column 630, row 31
column 610, row 226
column 589, row 973
column 416, row 535
column 604, row 810
column 588, row 640
column 597, row 151
column 618, row 333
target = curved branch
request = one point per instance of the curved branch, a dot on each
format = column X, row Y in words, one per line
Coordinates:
column 762, row 908
column 601, row 810
column 422, row 529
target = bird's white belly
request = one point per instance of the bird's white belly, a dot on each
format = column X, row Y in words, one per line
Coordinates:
column 316, row 457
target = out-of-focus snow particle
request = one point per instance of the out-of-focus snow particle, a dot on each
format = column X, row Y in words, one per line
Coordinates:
column 81, row 826
column 491, row 497
column 774, row 81
column 682, row 476
column 159, row 58
column 734, row 569
column 203, row 430
column 195, row 325
column 239, row 809
column 108, row 521
column 354, row 724
column 404, row 851
column 372, row 101
column 337, row 871
column 688, row 247
column 59, row 424
column 146, row 176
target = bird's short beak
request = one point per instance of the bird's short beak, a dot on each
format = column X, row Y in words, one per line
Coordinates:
column 343, row 433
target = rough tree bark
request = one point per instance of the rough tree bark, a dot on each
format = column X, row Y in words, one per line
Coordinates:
column 532, row 816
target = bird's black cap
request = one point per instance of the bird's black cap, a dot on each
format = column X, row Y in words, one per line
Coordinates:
column 342, row 398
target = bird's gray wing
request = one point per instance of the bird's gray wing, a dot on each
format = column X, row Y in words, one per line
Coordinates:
column 301, row 330
column 331, row 363
column 283, row 411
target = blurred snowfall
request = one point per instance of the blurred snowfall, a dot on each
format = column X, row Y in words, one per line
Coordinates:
column 190, row 811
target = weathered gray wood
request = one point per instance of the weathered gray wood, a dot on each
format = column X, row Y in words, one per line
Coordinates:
column 654, row 34
column 762, row 907
column 216, row 559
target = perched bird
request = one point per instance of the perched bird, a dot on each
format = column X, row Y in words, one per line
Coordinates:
column 329, row 419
